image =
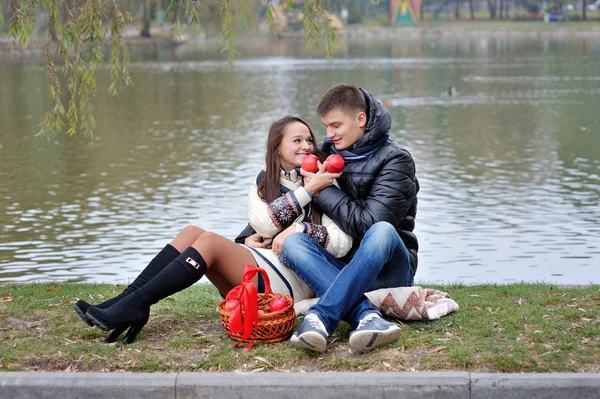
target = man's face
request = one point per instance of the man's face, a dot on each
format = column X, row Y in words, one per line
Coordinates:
column 344, row 129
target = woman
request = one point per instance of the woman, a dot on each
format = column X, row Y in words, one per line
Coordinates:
column 278, row 205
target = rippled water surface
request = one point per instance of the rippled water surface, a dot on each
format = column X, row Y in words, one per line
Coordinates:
column 509, row 165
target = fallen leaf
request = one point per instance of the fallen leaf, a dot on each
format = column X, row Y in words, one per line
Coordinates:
column 6, row 299
column 68, row 369
column 479, row 308
column 531, row 346
column 438, row 349
column 52, row 289
column 262, row 360
column 387, row 365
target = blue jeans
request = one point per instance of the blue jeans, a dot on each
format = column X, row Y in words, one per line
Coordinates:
column 382, row 261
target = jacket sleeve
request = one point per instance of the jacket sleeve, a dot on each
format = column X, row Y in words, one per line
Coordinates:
column 269, row 219
column 389, row 199
column 241, row 238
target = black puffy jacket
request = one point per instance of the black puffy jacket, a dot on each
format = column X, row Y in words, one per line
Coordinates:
column 381, row 188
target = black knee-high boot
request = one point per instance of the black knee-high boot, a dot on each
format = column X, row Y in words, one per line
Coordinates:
column 162, row 259
column 134, row 309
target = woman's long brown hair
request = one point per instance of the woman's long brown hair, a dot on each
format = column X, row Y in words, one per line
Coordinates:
column 269, row 187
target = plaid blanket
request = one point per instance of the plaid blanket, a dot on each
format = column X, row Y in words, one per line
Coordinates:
column 404, row 303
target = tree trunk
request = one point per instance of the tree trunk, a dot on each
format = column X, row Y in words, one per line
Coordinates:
column 583, row 11
column 175, row 10
column 501, row 9
column 457, row 10
column 492, row 8
column 14, row 6
column 472, row 11
column 147, row 19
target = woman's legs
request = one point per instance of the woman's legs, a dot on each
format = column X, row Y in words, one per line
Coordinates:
column 226, row 260
column 186, row 237
column 209, row 251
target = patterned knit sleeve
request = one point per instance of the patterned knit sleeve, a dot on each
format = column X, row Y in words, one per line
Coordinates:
column 318, row 233
column 329, row 236
column 270, row 219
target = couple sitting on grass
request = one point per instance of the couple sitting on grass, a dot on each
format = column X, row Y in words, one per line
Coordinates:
column 330, row 235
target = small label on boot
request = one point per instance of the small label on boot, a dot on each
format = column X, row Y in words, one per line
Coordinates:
column 193, row 262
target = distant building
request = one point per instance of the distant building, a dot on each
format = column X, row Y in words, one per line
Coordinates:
column 405, row 11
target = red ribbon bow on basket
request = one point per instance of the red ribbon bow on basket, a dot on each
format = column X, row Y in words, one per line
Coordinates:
column 246, row 295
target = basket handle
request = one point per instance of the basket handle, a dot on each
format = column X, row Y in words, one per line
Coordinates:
column 251, row 271
column 247, row 295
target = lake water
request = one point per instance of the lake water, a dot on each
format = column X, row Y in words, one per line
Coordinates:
column 509, row 165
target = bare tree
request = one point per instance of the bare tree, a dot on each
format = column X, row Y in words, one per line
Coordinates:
column 492, row 8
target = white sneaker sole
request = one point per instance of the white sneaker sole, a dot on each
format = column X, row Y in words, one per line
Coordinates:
column 310, row 340
column 364, row 341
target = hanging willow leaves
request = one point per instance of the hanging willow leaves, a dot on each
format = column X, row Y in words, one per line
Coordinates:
column 79, row 31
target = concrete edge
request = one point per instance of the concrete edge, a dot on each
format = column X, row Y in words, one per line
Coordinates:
column 464, row 385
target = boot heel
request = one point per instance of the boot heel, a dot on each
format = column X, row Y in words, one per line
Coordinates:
column 133, row 332
column 114, row 335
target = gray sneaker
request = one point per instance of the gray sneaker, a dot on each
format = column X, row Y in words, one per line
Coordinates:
column 373, row 331
column 311, row 334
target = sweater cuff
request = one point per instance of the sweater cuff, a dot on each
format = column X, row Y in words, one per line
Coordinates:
column 300, row 227
column 302, row 196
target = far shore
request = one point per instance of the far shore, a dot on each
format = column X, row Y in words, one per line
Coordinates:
column 12, row 52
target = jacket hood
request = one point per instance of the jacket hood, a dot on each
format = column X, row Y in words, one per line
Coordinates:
column 379, row 121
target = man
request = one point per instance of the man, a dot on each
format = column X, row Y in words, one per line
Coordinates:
column 376, row 204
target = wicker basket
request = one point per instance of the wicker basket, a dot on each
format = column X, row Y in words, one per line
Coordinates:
column 271, row 326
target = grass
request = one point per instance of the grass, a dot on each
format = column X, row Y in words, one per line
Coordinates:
column 499, row 328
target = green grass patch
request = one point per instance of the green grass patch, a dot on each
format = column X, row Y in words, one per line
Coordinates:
column 499, row 328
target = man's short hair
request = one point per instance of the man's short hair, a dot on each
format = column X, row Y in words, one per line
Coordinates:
column 348, row 98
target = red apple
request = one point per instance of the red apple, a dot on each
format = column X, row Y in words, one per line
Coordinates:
column 335, row 163
column 309, row 163
column 278, row 303
column 231, row 304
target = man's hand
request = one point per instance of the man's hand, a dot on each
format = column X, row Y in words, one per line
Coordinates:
column 255, row 241
column 279, row 238
column 314, row 183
